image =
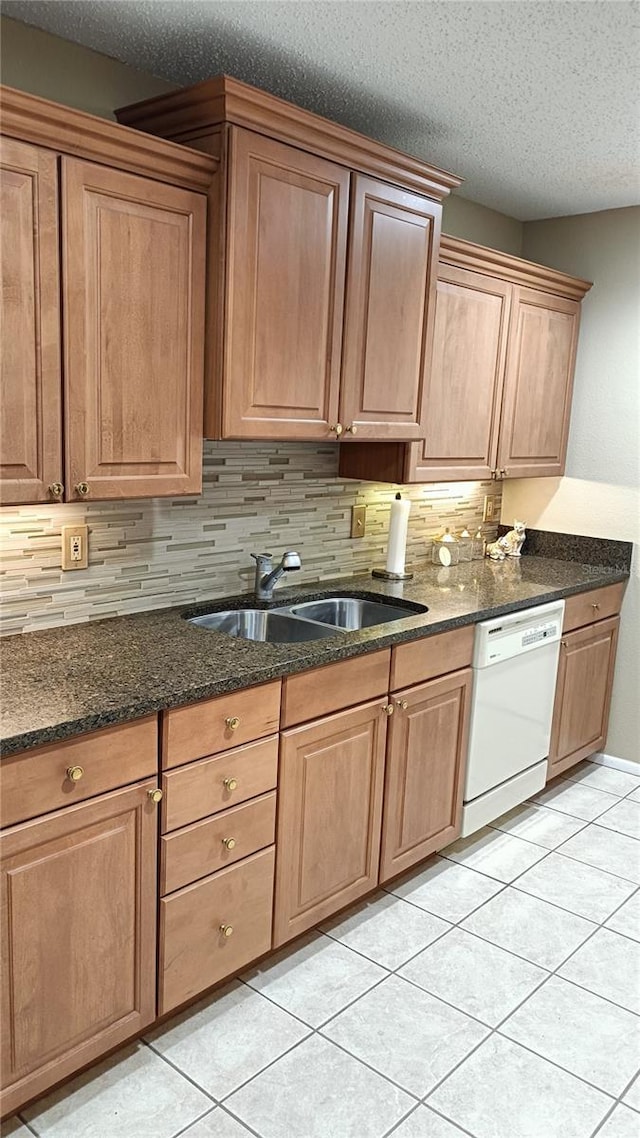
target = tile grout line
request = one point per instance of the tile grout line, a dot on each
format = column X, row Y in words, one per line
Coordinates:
column 185, row 1129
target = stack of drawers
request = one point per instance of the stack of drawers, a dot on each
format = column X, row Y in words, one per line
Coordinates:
column 220, row 764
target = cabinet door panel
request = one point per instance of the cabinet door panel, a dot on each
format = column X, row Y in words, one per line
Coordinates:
column 78, row 945
column 133, row 258
column 287, row 234
column 425, row 771
column 464, row 384
column 30, row 382
column 583, row 694
column 538, row 384
column 329, row 810
column 389, row 312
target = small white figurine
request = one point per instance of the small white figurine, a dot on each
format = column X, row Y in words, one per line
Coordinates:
column 509, row 545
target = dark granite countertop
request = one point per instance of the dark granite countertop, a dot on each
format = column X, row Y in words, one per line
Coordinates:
column 63, row 681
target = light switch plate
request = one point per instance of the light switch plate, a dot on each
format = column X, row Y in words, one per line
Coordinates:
column 75, row 547
column 358, row 521
column 489, row 511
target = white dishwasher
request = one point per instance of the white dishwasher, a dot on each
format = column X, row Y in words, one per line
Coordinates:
column 515, row 662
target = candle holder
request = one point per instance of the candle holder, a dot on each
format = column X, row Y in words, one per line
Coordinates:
column 384, row 575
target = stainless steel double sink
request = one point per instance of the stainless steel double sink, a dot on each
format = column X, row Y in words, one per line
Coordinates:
column 308, row 620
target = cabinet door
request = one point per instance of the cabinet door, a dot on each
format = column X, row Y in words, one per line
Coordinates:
column 536, row 406
column 30, row 384
column 133, row 265
column 426, row 763
column 286, row 249
column 329, row 812
column 464, row 383
column 393, row 247
column 583, row 694
column 78, row 937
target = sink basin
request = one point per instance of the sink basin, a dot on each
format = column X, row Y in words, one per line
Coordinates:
column 350, row 612
column 258, row 624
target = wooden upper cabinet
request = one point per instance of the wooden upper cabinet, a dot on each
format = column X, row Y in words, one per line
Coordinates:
column 463, row 401
column 30, row 383
column 583, row 694
column 133, row 280
column 329, row 816
column 393, row 245
column 286, row 250
column 538, row 384
column 78, row 937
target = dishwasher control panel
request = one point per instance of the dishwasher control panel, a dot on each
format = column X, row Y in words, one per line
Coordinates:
column 517, row 632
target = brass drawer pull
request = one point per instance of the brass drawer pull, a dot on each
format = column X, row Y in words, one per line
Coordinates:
column 387, row 708
column 230, row 783
column 56, row 489
column 82, row 488
column 155, row 796
column 595, row 606
column 229, row 843
column 74, row 774
column 402, row 704
column 337, row 430
column 232, row 722
column 226, row 930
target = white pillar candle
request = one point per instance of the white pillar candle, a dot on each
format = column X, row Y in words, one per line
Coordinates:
column 398, row 525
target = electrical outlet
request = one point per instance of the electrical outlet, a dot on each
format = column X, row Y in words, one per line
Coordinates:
column 489, row 511
column 358, row 521
column 75, row 547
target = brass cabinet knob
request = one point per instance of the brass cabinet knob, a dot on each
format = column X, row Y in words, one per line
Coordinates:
column 226, row 930
column 352, row 430
column 595, row 606
column 230, row 783
column 232, row 722
column 74, row 774
column 387, row 708
column 563, row 643
column 155, row 795
column 503, row 472
column 82, row 488
column 56, row 489
column 229, row 843
column 402, row 703
column 337, row 430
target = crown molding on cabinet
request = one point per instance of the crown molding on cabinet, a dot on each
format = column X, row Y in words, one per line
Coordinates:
column 36, row 120
column 479, row 259
column 224, row 99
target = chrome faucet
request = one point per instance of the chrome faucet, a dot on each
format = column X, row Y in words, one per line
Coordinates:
column 267, row 577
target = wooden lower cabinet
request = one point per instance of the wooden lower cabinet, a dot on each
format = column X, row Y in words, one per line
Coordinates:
column 426, row 758
column 583, row 694
column 329, row 816
column 78, row 937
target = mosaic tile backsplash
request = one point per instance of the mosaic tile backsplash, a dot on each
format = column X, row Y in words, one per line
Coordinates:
column 157, row 552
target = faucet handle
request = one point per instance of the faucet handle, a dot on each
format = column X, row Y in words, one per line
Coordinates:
column 262, row 558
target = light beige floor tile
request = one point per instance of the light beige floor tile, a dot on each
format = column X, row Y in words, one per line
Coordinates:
column 475, row 976
column 606, row 849
column 576, row 799
column 316, row 1091
column 582, row 889
column 581, row 1032
column 227, row 1039
column 634, row 796
column 503, row 1091
column 425, row 1123
column 622, row 1123
column 387, row 930
column 217, row 1124
column 632, row 1097
column 135, row 1093
column 495, row 854
column 608, row 965
column 604, row 778
column 448, row 890
column 627, row 918
column 623, row 817
column 537, row 824
column 315, row 979
column 529, row 927
column 406, row 1034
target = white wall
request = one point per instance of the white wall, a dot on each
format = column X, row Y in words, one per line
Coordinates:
column 600, row 494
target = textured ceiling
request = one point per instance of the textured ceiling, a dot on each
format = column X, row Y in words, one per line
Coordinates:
column 534, row 102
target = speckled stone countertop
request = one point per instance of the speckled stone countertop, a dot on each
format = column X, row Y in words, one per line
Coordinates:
column 63, row 681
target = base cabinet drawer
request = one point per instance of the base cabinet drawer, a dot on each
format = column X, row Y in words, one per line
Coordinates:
column 214, row 843
column 220, row 723
column 597, row 604
column 200, row 789
column 211, row 929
